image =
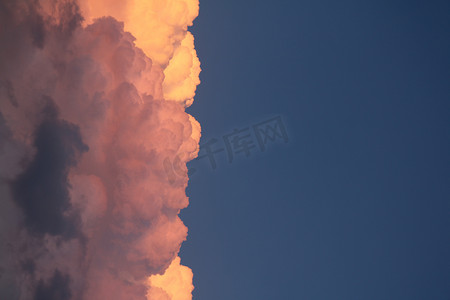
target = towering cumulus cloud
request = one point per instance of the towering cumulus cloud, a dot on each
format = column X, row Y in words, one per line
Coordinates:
column 92, row 107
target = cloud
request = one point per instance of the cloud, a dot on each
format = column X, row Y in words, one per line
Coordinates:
column 174, row 284
column 57, row 289
column 42, row 190
column 160, row 28
column 87, row 119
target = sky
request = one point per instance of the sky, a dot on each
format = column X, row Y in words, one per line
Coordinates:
column 356, row 204
column 310, row 163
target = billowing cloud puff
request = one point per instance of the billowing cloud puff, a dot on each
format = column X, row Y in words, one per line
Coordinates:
column 89, row 113
column 174, row 284
column 160, row 27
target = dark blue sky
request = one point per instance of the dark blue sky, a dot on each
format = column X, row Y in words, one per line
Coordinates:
column 357, row 204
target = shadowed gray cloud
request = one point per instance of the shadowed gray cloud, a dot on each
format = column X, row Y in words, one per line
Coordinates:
column 57, row 289
column 42, row 190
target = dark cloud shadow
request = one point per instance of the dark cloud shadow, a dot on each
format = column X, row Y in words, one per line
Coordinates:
column 42, row 190
column 57, row 289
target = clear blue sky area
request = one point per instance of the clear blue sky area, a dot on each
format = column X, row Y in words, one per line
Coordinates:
column 356, row 204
